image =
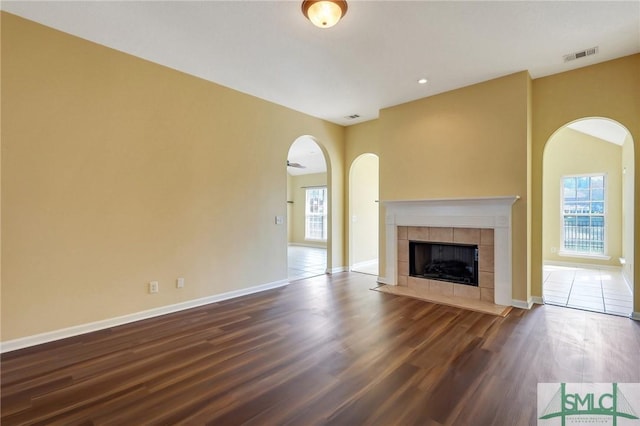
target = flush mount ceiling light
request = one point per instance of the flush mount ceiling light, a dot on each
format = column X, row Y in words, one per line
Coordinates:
column 324, row 13
column 422, row 81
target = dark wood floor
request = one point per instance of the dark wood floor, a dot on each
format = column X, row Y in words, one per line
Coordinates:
column 326, row 350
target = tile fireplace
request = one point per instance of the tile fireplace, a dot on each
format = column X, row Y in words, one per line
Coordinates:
column 481, row 222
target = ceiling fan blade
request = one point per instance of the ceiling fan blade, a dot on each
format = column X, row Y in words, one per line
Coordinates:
column 296, row 165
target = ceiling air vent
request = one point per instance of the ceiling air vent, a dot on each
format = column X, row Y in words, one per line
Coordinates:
column 580, row 54
column 352, row 116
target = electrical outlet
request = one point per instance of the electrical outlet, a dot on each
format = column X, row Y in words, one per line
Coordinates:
column 180, row 283
column 154, row 287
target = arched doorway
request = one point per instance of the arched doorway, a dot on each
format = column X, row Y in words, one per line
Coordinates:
column 364, row 212
column 308, row 226
column 588, row 217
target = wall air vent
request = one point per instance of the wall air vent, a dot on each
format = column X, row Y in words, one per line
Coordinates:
column 351, row 117
column 581, row 54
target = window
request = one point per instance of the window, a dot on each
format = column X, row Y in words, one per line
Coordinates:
column 315, row 227
column 583, row 214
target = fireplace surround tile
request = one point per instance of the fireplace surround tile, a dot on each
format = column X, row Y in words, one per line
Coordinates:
column 441, row 235
column 490, row 214
column 403, row 250
column 418, row 233
column 402, row 280
column 403, row 268
column 417, row 283
column 486, row 294
column 402, row 232
column 486, row 280
column 486, row 237
column 469, row 292
column 441, row 287
column 485, row 259
column 466, row 236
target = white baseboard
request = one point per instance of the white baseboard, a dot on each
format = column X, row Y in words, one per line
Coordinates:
column 581, row 265
column 50, row 336
column 321, row 246
column 537, row 300
column 635, row 316
column 522, row 304
column 383, row 280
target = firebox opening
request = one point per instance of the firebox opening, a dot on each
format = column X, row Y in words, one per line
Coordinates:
column 456, row 263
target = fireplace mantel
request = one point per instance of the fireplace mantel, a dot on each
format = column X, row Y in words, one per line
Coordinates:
column 482, row 212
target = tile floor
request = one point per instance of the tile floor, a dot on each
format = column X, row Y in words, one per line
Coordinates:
column 306, row 262
column 591, row 289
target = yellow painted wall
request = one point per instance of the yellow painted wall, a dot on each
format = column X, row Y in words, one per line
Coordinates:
column 529, row 207
column 628, row 196
column 363, row 138
column 470, row 142
column 297, row 218
column 117, row 171
column 609, row 89
column 289, row 217
column 334, row 156
column 571, row 153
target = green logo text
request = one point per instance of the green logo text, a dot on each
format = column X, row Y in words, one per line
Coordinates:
column 612, row 404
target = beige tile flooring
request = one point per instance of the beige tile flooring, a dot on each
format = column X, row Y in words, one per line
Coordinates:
column 306, row 262
column 591, row 289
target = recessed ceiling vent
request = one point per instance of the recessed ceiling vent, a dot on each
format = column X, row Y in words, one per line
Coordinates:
column 580, row 54
column 351, row 117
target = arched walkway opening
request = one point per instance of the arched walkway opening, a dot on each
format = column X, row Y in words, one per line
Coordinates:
column 308, row 221
column 588, row 217
column 364, row 214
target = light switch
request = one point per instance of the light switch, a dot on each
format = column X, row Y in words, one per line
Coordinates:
column 279, row 220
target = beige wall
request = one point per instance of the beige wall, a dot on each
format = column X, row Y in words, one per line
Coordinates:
column 609, row 89
column 363, row 204
column 628, row 195
column 363, row 138
column 289, row 217
column 571, row 153
column 470, row 142
column 529, row 207
column 298, row 196
column 117, row 171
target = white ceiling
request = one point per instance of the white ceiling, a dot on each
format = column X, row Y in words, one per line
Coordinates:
column 601, row 128
column 306, row 152
column 370, row 60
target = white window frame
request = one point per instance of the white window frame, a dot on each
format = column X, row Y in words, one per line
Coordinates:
column 311, row 213
column 563, row 214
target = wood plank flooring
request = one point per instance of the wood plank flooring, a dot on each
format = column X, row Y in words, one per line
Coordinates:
column 325, row 350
